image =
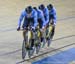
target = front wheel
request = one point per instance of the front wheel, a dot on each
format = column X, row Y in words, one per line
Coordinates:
column 37, row 49
column 49, row 42
column 38, row 45
column 31, row 48
column 23, row 50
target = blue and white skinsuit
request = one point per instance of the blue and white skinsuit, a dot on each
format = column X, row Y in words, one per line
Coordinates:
column 28, row 18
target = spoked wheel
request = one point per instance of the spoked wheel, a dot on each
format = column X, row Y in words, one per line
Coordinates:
column 37, row 49
column 23, row 50
column 43, row 43
column 44, row 40
column 31, row 49
column 37, row 46
column 30, row 53
column 48, row 42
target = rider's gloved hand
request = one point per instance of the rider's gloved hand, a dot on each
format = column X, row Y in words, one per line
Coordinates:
column 18, row 28
column 33, row 28
column 25, row 28
column 43, row 28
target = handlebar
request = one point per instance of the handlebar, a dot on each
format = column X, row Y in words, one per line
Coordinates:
column 27, row 28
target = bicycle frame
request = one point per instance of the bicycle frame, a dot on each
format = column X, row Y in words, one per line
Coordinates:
column 29, row 35
column 38, row 32
column 50, row 28
column 26, row 46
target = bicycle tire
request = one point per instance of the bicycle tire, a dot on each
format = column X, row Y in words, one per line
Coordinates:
column 23, row 50
column 38, row 44
column 37, row 49
column 49, row 42
column 31, row 50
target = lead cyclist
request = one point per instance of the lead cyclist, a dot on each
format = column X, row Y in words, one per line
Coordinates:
column 28, row 15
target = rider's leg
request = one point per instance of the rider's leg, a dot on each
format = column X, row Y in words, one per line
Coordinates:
column 32, row 40
column 33, row 33
column 43, row 41
column 40, row 22
column 24, row 34
column 24, row 26
column 53, row 31
column 51, row 36
column 40, row 25
column 43, row 38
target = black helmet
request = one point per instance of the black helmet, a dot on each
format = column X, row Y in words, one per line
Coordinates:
column 42, row 7
column 50, row 6
column 35, row 8
column 29, row 9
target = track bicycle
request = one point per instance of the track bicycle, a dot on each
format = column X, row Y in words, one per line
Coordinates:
column 27, row 43
column 48, row 34
column 37, row 42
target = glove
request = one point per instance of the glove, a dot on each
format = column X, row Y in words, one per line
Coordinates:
column 43, row 27
column 18, row 28
column 33, row 28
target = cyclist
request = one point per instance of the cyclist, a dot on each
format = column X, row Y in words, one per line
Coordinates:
column 41, row 20
column 46, row 15
column 30, row 16
column 52, row 17
column 40, row 17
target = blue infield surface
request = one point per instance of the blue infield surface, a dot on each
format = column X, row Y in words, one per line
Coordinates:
column 64, row 57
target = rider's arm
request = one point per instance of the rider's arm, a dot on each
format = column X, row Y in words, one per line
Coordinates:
column 21, row 18
column 53, row 12
column 47, row 16
column 43, row 19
